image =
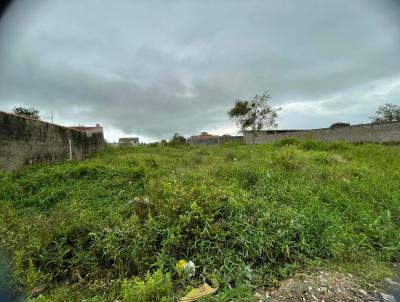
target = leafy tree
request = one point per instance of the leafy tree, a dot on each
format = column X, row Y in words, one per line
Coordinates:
column 177, row 139
column 339, row 125
column 27, row 112
column 387, row 113
column 254, row 114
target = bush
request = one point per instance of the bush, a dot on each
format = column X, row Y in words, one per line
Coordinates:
column 339, row 146
column 326, row 158
column 288, row 141
column 313, row 145
column 289, row 158
column 247, row 176
column 230, row 156
column 155, row 287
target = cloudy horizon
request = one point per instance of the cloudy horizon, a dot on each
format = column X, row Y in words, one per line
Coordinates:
column 152, row 68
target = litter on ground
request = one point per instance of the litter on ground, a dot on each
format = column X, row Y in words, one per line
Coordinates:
column 201, row 292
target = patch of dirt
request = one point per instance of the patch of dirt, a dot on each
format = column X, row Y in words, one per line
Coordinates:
column 324, row 286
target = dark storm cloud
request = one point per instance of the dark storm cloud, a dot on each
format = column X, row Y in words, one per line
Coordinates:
column 152, row 68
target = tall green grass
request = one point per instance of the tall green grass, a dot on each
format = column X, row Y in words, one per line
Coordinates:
column 113, row 227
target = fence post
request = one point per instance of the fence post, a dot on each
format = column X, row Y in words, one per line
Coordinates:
column 70, row 149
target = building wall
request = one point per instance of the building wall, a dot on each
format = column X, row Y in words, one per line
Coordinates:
column 374, row 133
column 207, row 142
column 208, row 139
column 227, row 139
column 128, row 144
column 97, row 129
column 24, row 141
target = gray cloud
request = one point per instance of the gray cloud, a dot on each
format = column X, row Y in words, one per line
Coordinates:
column 152, row 68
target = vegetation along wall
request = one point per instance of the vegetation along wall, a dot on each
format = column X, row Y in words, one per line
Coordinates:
column 25, row 141
column 374, row 133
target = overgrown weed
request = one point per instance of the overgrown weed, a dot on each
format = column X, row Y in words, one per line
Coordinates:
column 248, row 215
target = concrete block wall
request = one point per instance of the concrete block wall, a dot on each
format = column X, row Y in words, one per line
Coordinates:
column 373, row 133
column 228, row 139
column 26, row 141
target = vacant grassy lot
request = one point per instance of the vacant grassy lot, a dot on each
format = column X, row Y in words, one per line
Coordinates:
column 113, row 227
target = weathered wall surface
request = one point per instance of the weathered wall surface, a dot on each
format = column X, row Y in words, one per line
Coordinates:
column 229, row 139
column 24, row 141
column 374, row 133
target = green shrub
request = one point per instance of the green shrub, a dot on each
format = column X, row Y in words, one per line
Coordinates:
column 326, row 158
column 288, row 141
column 230, row 156
column 155, row 287
column 94, row 299
column 247, row 176
column 196, row 159
column 289, row 158
column 340, row 146
column 313, row 145
column 40, row 298
column 151, row 162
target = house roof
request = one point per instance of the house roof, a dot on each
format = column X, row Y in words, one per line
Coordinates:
column 204, row 136
column 129, row 139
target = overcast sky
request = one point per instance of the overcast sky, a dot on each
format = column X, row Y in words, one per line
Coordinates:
column 152, row 68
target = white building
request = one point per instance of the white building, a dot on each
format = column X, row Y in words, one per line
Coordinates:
column 128, row 141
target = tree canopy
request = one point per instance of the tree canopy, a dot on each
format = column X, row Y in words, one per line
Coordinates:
column 27, row 112
column 178, row 139
column 254, row 114
column 387, row 113
column 339, row 125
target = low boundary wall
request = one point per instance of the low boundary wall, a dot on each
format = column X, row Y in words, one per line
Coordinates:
column 373, row 133
column 26, row 141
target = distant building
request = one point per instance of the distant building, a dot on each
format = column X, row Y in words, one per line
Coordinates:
column 204, row 139
column 209, row 139
column 128, row 141
column 230, row 138
column 88, row 130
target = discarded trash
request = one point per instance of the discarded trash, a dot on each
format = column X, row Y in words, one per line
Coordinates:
column 201, row 292
column 248, row 272
column 187, row 268
column 36, row 291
